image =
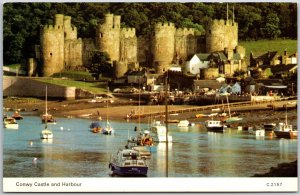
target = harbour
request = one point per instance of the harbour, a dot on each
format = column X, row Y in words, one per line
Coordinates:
column 194, row 152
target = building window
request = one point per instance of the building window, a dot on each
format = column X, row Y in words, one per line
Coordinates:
column 51, row 54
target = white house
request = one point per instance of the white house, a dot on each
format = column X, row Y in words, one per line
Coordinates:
column 197, row 62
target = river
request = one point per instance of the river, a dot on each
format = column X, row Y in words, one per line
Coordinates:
column 76, row 152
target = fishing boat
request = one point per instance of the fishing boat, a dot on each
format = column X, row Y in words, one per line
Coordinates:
column 95, row 127
column 46, row 133
column 10, row 123
column 215, row 125
column 16, row 115
column 47, row 118
column 269, row 126
column 257, row 131
column 285, row 130
column 183, row 123
column 128, row 162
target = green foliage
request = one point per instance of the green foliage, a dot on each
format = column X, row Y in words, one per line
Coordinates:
column 22, row 21
column 100, row 65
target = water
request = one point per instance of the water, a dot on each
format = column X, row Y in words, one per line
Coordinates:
column 76, row 152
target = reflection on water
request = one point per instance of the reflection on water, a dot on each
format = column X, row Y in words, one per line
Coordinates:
column 76, row 152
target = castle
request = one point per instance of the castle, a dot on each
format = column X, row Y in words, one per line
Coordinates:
column 60, row 48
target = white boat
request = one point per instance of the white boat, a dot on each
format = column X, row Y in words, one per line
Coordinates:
column 256, row 131
column 159, row 132
column 46, row 134
column 183, row 123
column 215, row 125
column 10, row 123
column 128, row 162
column 285, row 130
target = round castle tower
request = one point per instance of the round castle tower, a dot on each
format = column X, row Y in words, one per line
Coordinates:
column 52, row 46
column 164, row 46
column 221, row 34
column 108, row 36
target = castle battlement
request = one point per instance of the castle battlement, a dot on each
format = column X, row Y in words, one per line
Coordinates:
column 128, row 32
column 185, row 31
column 50, row 27
column 165, row 25
column 221, row 23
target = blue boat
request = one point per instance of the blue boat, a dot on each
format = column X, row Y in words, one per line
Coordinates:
column 128, row 162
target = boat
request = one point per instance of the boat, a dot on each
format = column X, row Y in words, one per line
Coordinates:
column 47, row 118
column 256, row 131
column 95, row 127
column 16, row 115
column 10, row 123
column 231, row 118
column 46, row 133
column 183, row 123
column 107, row 130
column 285, row 130
column 128, row 162
column 215, row 125
column 269, row 126
column 159, row 132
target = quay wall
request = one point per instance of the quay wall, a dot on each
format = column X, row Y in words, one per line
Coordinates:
column 29, row 87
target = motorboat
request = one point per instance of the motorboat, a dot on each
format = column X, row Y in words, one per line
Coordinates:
column 215, row 125
column 10, row 123
column 128, row 162
column 284, row 130
column 46, row 133
column 183, row 123
column 256, row 131
column 159, row 132
column 95, row 127
column 16, row 115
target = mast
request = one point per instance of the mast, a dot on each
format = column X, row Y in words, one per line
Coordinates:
column 166, row 118
column 107, row 106
column 46, row 112
column 228, row 106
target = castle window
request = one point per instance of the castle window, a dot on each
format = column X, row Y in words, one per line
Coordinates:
column 65, row 34
column 51, row 54
column 209, row 31
column 101, row 35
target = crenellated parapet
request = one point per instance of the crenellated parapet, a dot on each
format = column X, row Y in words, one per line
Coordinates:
column 128, row 32
column 165, row 26
column 185, row 31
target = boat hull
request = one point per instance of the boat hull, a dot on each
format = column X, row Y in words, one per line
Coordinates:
column 11, row 126
column 215, row 129
column 46, row 134
column 286, row 134
column 128, row 170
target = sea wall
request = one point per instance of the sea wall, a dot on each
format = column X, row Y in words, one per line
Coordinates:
column 30, row 87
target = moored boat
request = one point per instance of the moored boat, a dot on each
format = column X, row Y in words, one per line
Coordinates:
column 257, row 131
column 183, row 123
column 47, row 118
column 128, row 162
column 285, row 131
column 10, row 123
column 95, row 127
column 159, row 132
column 215, row 125
column 46, row 134
column 269, row 126
column 16, row 115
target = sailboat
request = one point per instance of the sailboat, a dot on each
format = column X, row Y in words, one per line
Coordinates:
column 231, row 119
column 284, row 130
column 46, row 133
column 107, row 130
column 47, row 118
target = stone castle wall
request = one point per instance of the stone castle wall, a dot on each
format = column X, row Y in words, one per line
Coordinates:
column 221, row 34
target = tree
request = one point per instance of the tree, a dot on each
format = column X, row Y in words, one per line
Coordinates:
column 100, row 65
column 271, row 29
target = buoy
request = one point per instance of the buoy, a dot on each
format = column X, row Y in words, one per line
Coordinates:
column 62, row 128
column 34, row 160
column 30, row 143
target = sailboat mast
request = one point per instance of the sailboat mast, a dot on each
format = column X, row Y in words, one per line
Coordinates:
column 228, row 106
column 286, row 114
column 139, row 106
column 107, row 106
column 46, row 112
column 166, row 118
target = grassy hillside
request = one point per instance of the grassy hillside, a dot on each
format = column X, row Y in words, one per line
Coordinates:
column 263, row 46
